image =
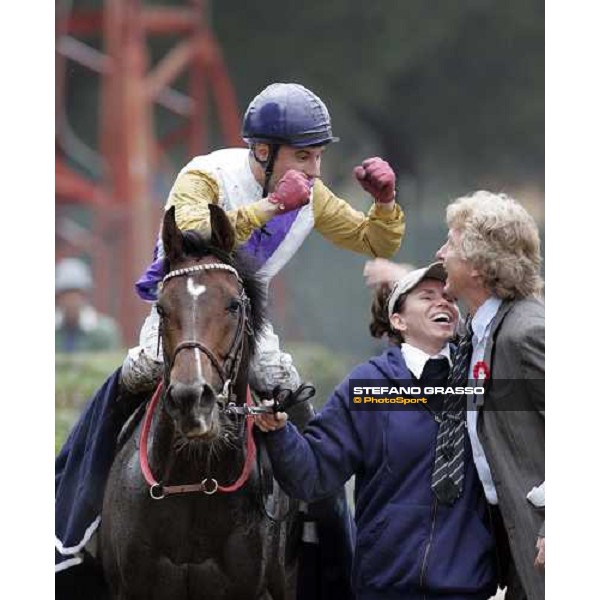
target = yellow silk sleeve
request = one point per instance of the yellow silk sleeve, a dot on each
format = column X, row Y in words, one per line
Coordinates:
column 379, row 233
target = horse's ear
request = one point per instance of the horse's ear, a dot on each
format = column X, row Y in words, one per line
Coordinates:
column 222, row 233
column 171, row 236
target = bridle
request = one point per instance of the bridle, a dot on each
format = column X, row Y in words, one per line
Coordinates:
column 226, row 398
column 227, row 371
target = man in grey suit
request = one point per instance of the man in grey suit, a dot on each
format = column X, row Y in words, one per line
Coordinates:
column 492, row 257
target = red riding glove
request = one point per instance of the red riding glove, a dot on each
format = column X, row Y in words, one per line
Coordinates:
column 291, row 192
column 377, row 178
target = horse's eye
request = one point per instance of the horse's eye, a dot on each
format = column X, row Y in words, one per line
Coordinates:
column 234, row 306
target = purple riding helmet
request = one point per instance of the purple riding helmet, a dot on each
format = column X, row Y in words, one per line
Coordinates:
column 286, row 113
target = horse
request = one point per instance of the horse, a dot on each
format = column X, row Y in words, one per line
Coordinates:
column 182, row 514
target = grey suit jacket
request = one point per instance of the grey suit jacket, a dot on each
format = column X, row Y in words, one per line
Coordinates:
column 513, row 439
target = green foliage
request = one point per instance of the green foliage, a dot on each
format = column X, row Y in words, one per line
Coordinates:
column 64, row 420
column 77, row 377
column 321, row 366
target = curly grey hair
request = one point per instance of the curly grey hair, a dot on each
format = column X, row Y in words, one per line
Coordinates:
column 501, row 240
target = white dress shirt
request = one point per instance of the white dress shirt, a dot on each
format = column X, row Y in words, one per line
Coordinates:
column 415, row 358
column 481, row 324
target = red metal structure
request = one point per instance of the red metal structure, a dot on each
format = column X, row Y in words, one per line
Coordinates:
column 116, row 43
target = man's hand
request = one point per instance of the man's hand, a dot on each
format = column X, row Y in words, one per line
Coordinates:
column 267, row 422
column 291, row 192
column 378, row 179
column 381, row 270
column 540, row 559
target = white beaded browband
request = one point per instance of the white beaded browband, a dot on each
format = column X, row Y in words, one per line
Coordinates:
column 195, row 268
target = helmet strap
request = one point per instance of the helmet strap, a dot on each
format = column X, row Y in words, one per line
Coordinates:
column 267, row 165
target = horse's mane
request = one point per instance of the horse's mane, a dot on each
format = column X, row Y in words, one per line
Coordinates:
column 197, row 246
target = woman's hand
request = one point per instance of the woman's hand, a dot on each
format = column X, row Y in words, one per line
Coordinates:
column 270, row 422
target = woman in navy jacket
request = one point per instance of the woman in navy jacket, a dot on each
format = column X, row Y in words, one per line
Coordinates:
column 409, row 546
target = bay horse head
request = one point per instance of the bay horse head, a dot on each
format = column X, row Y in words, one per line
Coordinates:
column 211, row 310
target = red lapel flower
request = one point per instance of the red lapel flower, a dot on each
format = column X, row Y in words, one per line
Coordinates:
column 480, row 366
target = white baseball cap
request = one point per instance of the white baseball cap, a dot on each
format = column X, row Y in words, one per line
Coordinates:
column 72, row 274
column 411, row 280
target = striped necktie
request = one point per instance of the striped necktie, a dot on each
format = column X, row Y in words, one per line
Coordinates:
column 449, row 466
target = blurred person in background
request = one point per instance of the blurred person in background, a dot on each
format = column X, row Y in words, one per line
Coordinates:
column 409, row 544
column 79, row 327
column 492, row 257
column 274, row 196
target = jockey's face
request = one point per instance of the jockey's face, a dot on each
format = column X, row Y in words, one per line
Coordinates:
column 306, row 160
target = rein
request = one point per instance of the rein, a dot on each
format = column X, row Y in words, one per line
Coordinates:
column 208, row 486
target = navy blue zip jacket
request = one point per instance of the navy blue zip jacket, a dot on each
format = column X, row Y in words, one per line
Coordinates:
column 409, row 546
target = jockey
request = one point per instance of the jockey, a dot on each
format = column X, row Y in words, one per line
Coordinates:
column 274, row 197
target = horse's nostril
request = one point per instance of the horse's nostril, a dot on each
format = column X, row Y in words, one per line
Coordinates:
column 183, row 394
column 208, row 397
column 186, row 395
column 193, row 406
